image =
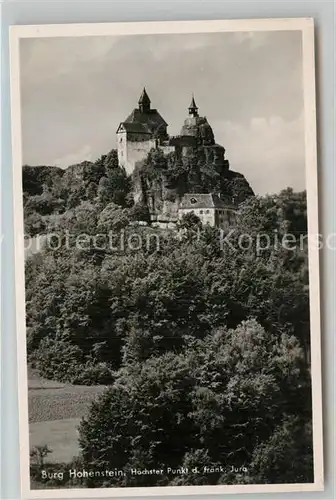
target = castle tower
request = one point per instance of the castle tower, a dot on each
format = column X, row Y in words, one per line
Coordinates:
column 141, row 131
column 193, row 109
column 144, row 102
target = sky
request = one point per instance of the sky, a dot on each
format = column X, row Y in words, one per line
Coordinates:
column 76, row 90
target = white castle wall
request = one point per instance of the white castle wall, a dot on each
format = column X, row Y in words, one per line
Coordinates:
column 167, row 149
column 132, row 151
column 122, row 149
column 137, row 151
column 206, row 215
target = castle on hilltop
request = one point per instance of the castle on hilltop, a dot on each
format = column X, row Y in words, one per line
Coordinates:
column 144, row 130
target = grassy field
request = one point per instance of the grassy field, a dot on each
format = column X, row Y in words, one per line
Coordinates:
column 60, row 436
column 62, row 403
column 55, row 410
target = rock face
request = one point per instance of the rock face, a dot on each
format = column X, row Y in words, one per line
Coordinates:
column 191, row 162
column 163, row 194
column 197, row 165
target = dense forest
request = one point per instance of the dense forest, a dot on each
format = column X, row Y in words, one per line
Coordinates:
column 204, row 346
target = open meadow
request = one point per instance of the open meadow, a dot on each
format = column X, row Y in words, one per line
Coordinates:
column 55, row 411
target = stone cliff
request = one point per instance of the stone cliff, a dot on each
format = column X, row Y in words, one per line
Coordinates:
column 160, row 181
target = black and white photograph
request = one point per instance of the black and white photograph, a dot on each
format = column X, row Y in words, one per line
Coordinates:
column 167, row 272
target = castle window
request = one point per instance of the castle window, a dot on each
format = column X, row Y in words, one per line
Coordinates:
column 193, row 201
column 207, row 211
column 201, row 211
column 120, row 140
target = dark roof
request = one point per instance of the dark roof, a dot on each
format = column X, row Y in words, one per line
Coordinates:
column 144, row 99
column 151, row 120
column 135, row 128
column 202, row 200
column 193, row 104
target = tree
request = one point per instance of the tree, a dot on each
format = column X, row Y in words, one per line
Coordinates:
column 37, row 178
column 34, row 224
column 39, row 453
column 190, row 221
column 140, row 212
column 115, row 185
column 81, row 220
column 287, row 456
column 137, row 434
column 111, row 161
column 170, row 289
column 113, row 218
column 69, row 321
column 222, row 399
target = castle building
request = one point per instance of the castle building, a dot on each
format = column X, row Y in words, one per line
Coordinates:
column 145, row 129
column 209, row 208
column 142, row 130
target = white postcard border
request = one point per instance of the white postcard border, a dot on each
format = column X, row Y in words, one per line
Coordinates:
column 306, row 26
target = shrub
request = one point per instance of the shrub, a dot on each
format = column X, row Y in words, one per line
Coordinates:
column 58, row 359
column 92, row 374
column 139, row 212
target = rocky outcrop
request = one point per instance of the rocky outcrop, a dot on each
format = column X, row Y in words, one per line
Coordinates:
column 160, row 181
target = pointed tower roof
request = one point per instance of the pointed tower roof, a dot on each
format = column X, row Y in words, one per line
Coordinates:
column 193, row 104
column 193, row 109
column 144, row 99
column 144, row 120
